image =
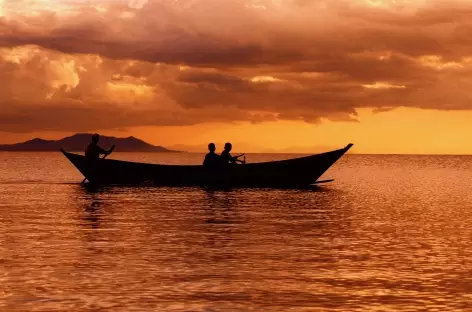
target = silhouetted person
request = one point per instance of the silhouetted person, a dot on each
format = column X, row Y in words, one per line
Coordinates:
column 212, row 167
column 93, row 150
column 211, row 159
column 226, row 155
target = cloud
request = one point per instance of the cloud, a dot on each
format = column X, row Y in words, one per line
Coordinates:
column 78, row 65
column 68, row 116
column 243, row 32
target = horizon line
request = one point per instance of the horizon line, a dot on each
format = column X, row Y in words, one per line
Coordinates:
column 280, row 153
column 268, row 150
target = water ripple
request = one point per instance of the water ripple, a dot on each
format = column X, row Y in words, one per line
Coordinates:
column 392, row 234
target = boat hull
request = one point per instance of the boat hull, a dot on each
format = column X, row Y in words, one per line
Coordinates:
column 296, row 172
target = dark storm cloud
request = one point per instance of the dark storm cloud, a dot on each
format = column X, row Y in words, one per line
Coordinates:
column 72, row 65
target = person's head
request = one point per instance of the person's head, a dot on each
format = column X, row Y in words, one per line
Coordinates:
column 211, row 147
column 95, row 138
column 228, row 147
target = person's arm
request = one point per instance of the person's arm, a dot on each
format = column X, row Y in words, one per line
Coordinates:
column 111, row 150
column 231, row 158
column 235, row 159
column 101, row 150
column 104, row 152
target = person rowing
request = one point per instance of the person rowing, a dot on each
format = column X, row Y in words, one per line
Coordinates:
column 93, row 150
column 228, row 158
column 92, row 155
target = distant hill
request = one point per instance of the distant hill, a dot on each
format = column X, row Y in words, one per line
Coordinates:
column 79, row 141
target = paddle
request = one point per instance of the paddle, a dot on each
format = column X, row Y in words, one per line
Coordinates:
column 104, row 156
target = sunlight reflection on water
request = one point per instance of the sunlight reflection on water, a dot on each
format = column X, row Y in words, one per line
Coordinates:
column 391, row 234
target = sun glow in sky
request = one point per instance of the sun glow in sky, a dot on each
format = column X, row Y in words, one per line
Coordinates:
column 390, row 76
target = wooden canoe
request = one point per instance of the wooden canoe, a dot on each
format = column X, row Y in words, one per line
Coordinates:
column 295, row 172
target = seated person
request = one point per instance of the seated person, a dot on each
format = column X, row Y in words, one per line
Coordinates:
column 211, row 159
column 93, row 150
column 226, row 155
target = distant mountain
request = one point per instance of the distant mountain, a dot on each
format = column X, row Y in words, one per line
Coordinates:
column 79, row 141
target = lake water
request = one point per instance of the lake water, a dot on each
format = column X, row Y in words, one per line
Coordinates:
column 392, row 233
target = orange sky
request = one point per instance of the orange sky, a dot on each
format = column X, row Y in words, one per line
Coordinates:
column 267, row 75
